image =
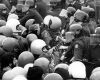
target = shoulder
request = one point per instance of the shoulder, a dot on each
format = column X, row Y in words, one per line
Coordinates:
column 82, row 42
column 78, row 43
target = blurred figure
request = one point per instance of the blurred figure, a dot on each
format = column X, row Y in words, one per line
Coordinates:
column 97, row 6
column 3, row 12
column 35, row 72
column 31, row 13
column 42, row 8
column 52, row 26
column 92, row 22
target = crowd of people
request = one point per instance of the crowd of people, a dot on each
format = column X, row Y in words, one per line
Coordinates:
column 56, row 40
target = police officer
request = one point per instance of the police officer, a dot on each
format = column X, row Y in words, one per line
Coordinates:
column 81, row 52
column 52, row 25
column 86, row 49
column 92, row 22
column 78, row 30
column 78, row 34
column 67, row 47
column 94, row 47
column 82, row 18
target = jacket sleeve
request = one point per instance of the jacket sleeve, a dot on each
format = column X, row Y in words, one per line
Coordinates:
column 32, row 14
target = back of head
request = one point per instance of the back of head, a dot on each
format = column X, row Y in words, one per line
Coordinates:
column 35, row 73
column 10, row 44
column 61, row 65
column 63, row 72
column 6, row 59
column 25, row 58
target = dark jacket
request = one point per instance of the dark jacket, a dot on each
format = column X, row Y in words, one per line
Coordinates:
column 31, row 14
column 81, row 48
column 42, row 8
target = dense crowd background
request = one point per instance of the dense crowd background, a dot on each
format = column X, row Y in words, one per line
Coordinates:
column 49, row 40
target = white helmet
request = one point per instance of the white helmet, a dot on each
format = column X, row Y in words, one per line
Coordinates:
column 37, row 45
column 7, row 75
column 96, row 69
column 53, row 22
column 56, row 23
column 13, row 23
column 77, row 70
column 43, row 63
column 12, row 16
column 20, row 77
column 18, row 71
column 47, row 19
column 11, row 74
